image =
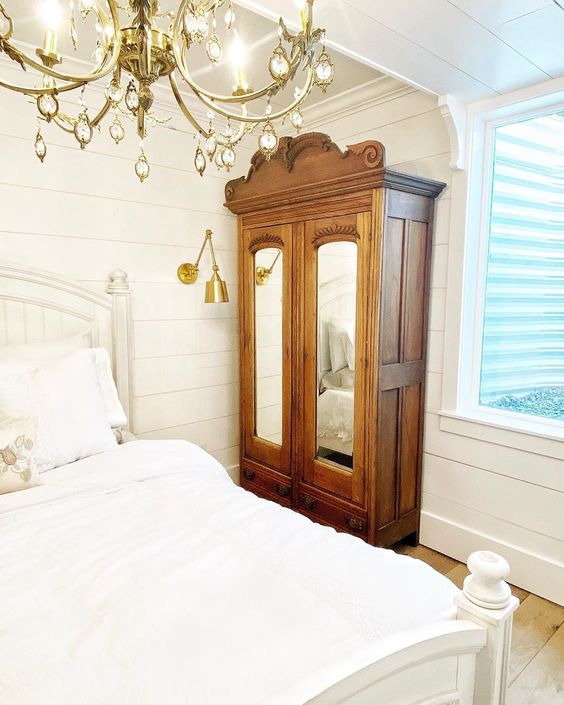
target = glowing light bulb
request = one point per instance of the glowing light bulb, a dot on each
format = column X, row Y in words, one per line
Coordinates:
column 51, row 14
column 239, row 61
column 238, row 53
column 302, row 7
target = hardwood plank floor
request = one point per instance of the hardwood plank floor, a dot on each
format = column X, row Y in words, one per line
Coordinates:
column 536, row 669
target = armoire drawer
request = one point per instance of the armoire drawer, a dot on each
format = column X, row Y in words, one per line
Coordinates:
column 341, row 516
column 266, row 483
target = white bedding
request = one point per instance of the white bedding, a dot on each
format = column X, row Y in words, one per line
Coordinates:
column 143, row 576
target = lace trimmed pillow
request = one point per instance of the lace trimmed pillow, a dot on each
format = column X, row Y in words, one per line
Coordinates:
column 18, row 470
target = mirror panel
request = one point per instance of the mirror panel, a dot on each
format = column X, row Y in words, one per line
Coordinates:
column 268, row 272
column 336, row 346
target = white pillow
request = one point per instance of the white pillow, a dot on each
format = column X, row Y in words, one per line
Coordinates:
column 341, row 344
column 16, row 359
column 65, row 397
column 114, row 410
column 18, row 470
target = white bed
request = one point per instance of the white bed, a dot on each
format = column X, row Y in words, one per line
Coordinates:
column 131, row 577
column 144, row 576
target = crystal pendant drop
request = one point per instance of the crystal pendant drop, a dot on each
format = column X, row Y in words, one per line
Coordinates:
column 83, row 130
column 230, row 17
column 40, row 147
column 228, row 157
column 114, row 92
column 279, row 64
column 210, row 145
column 219, row 159
column 297, row 119
column 117, row 133
column 190, row 23
column 324, row 71
column 132, row 97
column 203, row 27
column 142, row 168
column 47, row 105
column 214, row 49
column 268, row 141
column 200, row 161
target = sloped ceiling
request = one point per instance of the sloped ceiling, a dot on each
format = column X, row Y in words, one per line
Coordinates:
column 471, row 49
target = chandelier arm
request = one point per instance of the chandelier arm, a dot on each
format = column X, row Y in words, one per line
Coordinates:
column 256, row 119
column 242, row 131
column 41, row 91
column 99, row 72
column 184, row 108
column 64, row 121
column 179, row 46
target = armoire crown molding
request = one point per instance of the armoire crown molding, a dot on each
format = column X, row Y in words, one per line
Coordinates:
column 311, row 166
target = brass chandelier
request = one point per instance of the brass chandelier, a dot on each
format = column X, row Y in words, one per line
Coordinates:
column 139, row 43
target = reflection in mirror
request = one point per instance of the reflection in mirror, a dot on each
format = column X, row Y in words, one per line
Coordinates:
column 336, row 337
column 268, row 344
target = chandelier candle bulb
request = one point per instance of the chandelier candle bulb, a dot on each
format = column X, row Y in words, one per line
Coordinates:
column 302, row 7
column 239, row 62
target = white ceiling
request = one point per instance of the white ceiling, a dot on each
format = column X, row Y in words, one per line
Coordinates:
column 469, row 48
column 472, row 49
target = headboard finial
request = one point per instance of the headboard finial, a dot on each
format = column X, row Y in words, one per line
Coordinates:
column 118, row 282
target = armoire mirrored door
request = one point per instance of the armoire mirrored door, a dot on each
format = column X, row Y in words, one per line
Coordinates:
column 336, row 305
column 266, row 351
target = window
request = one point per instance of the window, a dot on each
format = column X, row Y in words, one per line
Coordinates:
column 522, row 341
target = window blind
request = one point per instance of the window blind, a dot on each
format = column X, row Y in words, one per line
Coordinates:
column 523, row 328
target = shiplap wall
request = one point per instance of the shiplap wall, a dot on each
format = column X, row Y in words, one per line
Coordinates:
column 476, row 494
column 84, row 214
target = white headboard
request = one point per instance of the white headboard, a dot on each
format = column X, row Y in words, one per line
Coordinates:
column 336, row 300
column 37, row 306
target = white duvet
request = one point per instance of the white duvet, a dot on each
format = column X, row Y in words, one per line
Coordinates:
column 143, row 576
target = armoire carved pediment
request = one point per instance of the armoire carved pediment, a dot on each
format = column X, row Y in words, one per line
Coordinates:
column 312, row 166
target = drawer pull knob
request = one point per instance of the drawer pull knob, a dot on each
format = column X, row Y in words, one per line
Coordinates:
column 249, row 474
column 354, row 524
column 308, row 502
column 282, row 490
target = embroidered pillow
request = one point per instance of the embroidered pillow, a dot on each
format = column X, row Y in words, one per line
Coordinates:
column 66, row 398
column 17, row 460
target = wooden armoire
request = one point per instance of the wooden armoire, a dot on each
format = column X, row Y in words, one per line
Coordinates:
column 334, row 268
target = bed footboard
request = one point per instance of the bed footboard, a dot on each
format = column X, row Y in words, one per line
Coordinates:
column 462, row 662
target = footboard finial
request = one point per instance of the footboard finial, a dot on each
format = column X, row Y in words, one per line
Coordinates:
column 486, row 586
column 487, row 600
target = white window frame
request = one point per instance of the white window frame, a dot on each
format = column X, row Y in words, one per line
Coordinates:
column 461, row 412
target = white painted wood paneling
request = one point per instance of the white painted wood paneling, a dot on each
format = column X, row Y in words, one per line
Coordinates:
column 84, row 214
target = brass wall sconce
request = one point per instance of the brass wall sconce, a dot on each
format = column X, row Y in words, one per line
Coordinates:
column 262, row 274
column 216, row 288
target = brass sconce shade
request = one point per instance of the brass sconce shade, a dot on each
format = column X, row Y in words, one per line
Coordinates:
column 216, row 288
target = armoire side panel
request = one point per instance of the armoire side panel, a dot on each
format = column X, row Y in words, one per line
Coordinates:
column 402, row 352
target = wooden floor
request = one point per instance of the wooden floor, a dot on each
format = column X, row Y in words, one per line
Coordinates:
column 536, row 673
